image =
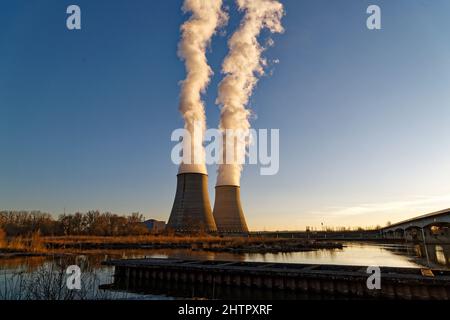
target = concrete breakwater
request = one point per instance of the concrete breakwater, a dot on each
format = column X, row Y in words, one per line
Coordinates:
column 329, row 280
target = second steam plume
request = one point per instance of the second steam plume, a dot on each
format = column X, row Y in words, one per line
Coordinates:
column 241, row 67
column 196, row 33
column 191, row 211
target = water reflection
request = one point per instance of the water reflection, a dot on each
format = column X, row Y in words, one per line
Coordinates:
column 393, row 255
column 441, row 256
column 434, row 256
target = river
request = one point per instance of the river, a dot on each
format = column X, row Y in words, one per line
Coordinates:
column 45, row 277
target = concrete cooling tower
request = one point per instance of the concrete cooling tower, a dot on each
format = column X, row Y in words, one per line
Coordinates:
column 228, row 212
column 191, row 210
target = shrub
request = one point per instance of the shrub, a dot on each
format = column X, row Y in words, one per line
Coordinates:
column 2, row 238
column 37, row 243
column 17, row 243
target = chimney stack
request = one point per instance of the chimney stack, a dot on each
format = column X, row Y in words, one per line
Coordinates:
column 228, row 212
column 191, row 210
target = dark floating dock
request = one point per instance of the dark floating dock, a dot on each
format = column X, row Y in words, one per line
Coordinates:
column 282, row 280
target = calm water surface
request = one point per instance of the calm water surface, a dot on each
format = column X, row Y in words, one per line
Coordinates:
column 41, row 277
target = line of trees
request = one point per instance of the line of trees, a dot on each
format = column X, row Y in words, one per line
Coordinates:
column 24, row 223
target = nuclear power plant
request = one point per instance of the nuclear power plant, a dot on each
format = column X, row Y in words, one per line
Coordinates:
column 191, row 210
column 228, row 212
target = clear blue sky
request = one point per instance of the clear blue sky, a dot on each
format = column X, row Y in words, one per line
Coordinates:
column 86, row 116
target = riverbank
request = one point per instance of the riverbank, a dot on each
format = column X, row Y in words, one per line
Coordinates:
column 35, row 268
column 278, row 246
column 50, row 245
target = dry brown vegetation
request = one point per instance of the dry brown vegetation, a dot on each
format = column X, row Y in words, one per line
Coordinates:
column 68, row 245
column 199, row 242
column 132, row 239
column 158, row 239
column 31, row 244
column 2, row 238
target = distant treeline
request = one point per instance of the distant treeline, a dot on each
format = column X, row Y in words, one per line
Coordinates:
column 24, row 223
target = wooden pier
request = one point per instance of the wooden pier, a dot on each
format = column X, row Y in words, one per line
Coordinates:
column 289, row 279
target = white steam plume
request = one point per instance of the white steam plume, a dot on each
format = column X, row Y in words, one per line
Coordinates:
column 196, row 33
column 242, row 67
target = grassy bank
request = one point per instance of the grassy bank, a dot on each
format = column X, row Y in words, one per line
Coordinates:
column 43, row 245
column 33, row 244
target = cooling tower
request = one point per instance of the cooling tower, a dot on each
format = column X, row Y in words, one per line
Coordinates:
column 191, row 210
column 228, row 211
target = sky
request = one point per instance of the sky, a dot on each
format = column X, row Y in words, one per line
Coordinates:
column 86, row 116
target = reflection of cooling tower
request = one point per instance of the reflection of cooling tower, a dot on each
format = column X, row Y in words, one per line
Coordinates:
column 191, row 210
column 228, row 211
